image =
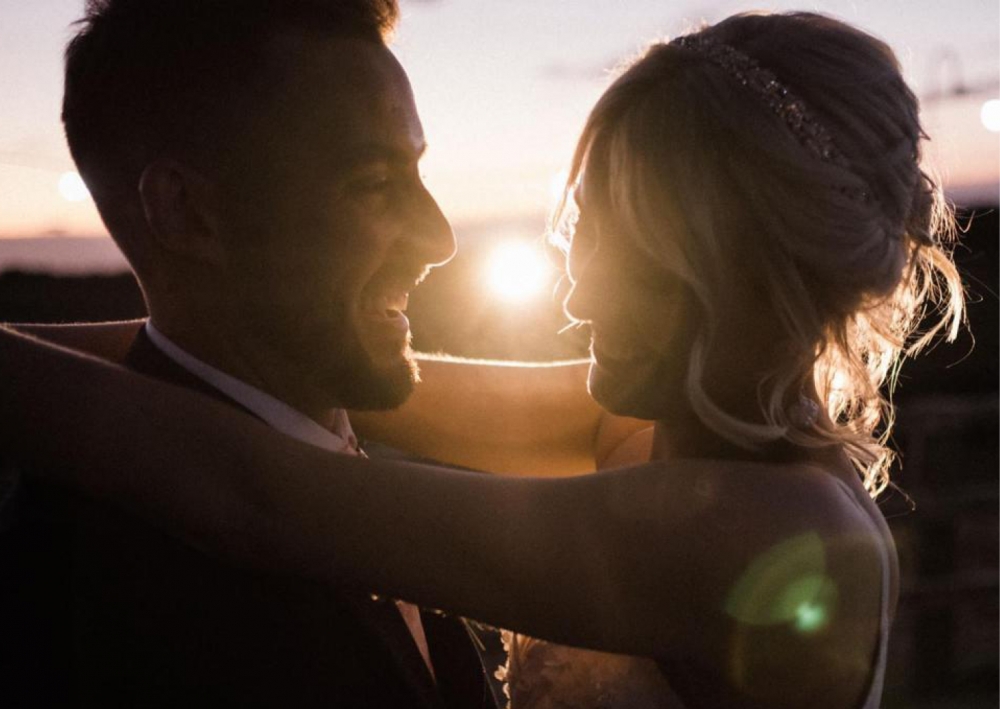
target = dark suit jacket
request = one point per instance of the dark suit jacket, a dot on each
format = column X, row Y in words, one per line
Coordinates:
column 100, row 609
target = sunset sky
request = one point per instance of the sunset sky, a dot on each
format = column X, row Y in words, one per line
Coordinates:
column 503, row 87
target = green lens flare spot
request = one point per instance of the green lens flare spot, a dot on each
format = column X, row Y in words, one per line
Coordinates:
column 809, row 618
column 787, row 584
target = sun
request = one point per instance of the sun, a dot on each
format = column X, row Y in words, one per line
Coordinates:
column 72, row 187
column 517, row 271
column 990, row 115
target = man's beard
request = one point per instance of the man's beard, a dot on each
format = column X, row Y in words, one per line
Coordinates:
column 357, row 383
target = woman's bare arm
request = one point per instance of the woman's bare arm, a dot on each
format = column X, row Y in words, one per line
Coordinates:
column 107, row 340
column 503, row 417
column 638, row 561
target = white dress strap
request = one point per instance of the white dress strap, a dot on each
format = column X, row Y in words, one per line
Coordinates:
column 873, row 700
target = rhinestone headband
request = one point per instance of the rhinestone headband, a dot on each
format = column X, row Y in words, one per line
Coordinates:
column 782, row 102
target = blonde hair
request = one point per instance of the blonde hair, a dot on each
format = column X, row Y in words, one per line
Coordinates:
column 849, row 256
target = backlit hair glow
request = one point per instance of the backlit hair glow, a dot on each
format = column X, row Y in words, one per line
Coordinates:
column 847, row 262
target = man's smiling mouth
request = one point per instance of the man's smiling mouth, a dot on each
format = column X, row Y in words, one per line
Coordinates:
column 389, row 305
column 385, row 298
column 384, row 304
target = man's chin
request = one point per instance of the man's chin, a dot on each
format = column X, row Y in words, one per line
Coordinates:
column 379, row 388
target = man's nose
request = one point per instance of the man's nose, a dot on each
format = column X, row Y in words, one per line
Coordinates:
column 433, row 237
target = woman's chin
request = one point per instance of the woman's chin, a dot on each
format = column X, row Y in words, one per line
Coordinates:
column 624, row 394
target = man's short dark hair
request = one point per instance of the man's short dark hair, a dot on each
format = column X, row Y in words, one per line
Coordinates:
column 148, row 78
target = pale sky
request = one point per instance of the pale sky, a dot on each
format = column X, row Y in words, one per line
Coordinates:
column 503, row 87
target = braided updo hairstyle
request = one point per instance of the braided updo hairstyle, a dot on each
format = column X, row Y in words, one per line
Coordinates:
column 846, row 248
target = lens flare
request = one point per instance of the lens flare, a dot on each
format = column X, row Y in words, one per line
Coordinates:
column 810, row 617
column 517, row 271
column 787, row 584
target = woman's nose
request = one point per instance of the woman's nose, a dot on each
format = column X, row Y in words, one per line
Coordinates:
column 581, row 300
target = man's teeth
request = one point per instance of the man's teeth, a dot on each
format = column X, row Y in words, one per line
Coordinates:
column 387, row 303
column 399, row 302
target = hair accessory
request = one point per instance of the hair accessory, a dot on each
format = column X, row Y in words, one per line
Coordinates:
column 804, row 413
column 791, row 109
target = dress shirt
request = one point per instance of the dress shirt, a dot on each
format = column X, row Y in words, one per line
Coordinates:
column 276, row 413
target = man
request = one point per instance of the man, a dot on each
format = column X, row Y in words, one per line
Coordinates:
column 256, row 162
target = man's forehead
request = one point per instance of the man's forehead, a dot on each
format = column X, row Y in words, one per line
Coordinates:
column 344, row 95
column 355, row 137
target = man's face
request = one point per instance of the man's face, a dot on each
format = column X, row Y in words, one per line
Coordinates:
column 331, row 226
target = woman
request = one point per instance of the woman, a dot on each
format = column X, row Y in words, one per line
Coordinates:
column 754, row 244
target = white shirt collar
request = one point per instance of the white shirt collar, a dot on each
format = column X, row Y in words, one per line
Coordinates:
column 277, row 413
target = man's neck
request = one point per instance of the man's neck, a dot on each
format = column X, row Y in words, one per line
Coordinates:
column 229, row 354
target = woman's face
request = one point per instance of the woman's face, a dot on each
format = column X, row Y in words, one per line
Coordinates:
column 634, row 307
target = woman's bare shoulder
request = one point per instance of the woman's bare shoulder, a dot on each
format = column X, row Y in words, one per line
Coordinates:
column 783, row 560
column 819, row 495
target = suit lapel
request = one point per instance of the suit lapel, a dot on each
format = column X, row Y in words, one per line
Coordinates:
column 382, row 617
column 387, row 624
column 461, row 671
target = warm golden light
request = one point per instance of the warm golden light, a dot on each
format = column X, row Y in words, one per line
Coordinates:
column 72, row 188
column 517, row 271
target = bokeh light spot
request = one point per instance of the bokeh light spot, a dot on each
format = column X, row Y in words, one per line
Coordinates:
column 517, row 271
column 72, row 187
column 990, row 115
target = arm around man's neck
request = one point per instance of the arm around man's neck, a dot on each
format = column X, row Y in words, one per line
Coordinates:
column 518, row 418
column 105, row 340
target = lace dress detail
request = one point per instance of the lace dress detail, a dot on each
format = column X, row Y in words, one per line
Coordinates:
column 544, row 675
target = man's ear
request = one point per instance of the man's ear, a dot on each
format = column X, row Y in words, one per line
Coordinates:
column 182, row 211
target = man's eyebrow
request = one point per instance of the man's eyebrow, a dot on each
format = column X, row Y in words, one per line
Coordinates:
column 380, row 152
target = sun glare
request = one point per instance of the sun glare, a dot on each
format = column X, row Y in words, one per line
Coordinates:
column 517, row 271
column 990, row 115
column 72, row 188
column 557, row 185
